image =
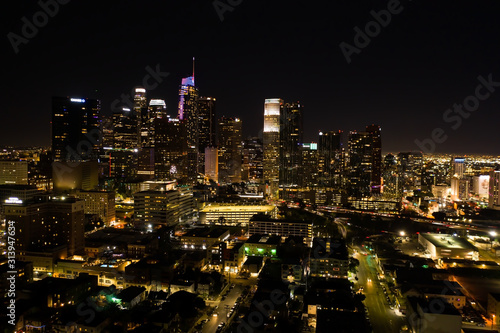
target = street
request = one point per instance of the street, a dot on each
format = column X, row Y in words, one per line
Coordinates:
column 229, row 301
column 382, row 318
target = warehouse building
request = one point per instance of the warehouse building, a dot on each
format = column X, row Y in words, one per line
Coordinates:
column 447, row 246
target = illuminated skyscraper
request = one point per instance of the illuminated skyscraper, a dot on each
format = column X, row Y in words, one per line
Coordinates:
column 124, row 129
column 252, row 160
column 157, row 110
column 170, row 148
column 230, row 150
column 390, row 174
column 272, row 144
column 188, row 114
column 330, row 161
column 76, row 133
column 212, row 163
column 207, row 127
column 188, row 110
column 458, row 167
column 291, row 137
column 376, row 175
column 141, row 111
column 364, row 174
column 309, row 164
column 360, row 154
column 410, row 171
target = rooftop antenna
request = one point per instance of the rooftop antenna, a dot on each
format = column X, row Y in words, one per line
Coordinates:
column 193, row 70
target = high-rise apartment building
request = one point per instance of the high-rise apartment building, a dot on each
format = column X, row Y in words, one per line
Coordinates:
column 47, row 222
column 161, row 206
column 100, row 203
column 76, row 128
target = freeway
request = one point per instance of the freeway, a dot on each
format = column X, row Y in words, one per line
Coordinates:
column 481, row 226
column 382, row 318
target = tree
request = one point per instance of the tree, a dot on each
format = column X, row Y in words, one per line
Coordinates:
column 353, row 265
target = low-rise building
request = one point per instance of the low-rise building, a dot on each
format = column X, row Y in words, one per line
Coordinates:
column 233, row 257
column 447, row 246
column 203, row 238
column 432, row 316
column 267, row 226
column 233, row 214
column 131, row 296
column 329, row 258
column 262, row 245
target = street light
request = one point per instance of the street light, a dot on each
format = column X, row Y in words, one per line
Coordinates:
column 493, row 234
column 402, row 233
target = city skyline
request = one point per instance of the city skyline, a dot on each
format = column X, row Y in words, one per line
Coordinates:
column 250, row 166
column 419, row 74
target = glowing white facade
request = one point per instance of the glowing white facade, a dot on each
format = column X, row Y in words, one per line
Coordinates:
column 271, row 141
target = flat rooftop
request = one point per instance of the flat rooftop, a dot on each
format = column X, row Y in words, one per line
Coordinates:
column 264, row 239
column 448, row 241
column 206, row 232
column 237, row 208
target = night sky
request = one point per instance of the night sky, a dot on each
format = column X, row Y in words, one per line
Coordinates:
column 426, row 59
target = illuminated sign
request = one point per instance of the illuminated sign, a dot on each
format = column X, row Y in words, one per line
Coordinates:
column 13, row 200
column 188, row 81
column 126, row 109
column 78, row 100
column 140, row 90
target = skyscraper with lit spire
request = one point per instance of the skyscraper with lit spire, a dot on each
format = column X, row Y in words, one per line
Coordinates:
column 188, row 115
